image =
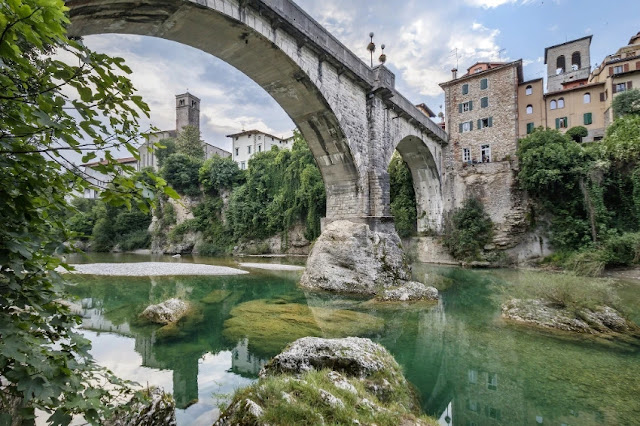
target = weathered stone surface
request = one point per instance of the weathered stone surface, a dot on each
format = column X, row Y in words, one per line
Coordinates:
column 350, row 257
column 166, row 312
column 160, row 409
column 545, row 314
column 411, row 291
column 353, row 356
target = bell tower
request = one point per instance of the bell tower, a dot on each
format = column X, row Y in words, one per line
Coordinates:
column 187, row 111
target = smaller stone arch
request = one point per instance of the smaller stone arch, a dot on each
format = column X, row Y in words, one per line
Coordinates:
column 427, row 183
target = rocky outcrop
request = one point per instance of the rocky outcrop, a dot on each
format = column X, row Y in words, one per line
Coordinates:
column 352, row 257
column 411, row 291
column 158, row 408
column 335, row 381
column 544, row 314
column 166, row 312
column 291, row 241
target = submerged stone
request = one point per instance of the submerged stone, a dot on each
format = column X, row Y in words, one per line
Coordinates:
column 166, row 312
column 216, row 296
column 411, row 291
column 270, row 326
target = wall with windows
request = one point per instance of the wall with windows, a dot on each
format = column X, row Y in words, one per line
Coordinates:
column 531, row 107
column 247, row 144
column 580, row 106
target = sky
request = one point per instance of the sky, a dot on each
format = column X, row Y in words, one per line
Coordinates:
column 424, row 40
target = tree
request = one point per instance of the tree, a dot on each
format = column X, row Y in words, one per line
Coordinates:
column 169, row 145
column 219, row 173
column 181, row 172
column 189, row 143
column 403, row 198
column 626, row 103
column 468, row 231
column 49, row 108
column 577, row 133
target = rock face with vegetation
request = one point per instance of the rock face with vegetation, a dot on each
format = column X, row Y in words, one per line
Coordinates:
column 352, row 258
column 328, row 381
column 155, row 409
column 546, row 314
column 166, row 312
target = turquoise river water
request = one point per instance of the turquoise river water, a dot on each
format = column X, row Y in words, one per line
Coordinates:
column 468, row 366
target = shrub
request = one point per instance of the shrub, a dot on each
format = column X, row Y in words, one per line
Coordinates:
column 589, row 263
column 168, row 214
column 135, row 240
column 622, row 249
column 627, row 102
column 181, row 172
column 577, row 133
column 219, row 173
column 468, row 231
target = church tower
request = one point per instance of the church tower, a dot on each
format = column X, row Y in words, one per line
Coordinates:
column 187, row 111
column 567, row 63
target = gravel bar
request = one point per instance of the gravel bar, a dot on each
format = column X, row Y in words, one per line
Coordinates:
column 272, row 266
column 152, row 269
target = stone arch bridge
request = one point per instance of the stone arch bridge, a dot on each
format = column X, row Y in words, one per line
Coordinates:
column 351, row 115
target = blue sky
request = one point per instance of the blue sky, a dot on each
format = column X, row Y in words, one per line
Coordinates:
column 420, row 37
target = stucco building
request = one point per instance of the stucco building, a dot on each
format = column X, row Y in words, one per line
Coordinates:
column 187, row 114
column 248, row 142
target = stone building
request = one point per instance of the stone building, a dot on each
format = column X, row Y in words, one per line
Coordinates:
column 248, row 142
column 187, row 114
column 618, row 73
column 567, row 62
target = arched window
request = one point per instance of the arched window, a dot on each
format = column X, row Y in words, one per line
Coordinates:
column 553, row 105
column 560, row 64
column 529, row 109
column 560, row 103
column 528, row 90
column 587, row 98
column 575, row 60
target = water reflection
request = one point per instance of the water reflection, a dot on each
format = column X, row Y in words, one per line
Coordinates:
column 468, row 367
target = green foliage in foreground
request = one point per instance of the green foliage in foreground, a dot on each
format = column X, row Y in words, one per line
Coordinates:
column 468, row 231
column 288, row 399
column 403, row 197
column 627, row 102
column 47, row 109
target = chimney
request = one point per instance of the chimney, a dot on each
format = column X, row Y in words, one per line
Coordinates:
column 454, row 73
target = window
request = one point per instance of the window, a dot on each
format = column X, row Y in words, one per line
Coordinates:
column 259, row 137
column 472, row 405
column 466, row 106
column 473, row 376
column 530, row 127
column 560, row 64
column 181, row 102
column 553, row 105
column 529, row 109
column 484, row 102
column 466, row 126
column 492, row 381
column 237, row 151
column 477, row 70
column 485, row 150
column 249, row 149
column 484, row 83
column 618, row 69
column 193, row 103
column 561, row 123
column 619, row 87
column 528, row 90
column 588, row 119
column 259, row 148
column 485, row 122
column 242, row 165
column 586, row 98
column 560, row 103
column 465, row 89
column 575, row 61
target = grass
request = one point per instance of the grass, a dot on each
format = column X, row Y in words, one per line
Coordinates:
column 287, row 399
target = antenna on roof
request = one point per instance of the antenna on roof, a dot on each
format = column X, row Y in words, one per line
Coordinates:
column 456, row 54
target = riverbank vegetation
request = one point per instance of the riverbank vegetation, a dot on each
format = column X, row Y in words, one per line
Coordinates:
column 587, row 195
column 48, row 109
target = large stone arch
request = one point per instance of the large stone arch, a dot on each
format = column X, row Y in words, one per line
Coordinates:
column 305, row 87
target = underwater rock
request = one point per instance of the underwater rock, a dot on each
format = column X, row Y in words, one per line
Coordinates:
column 270, row 326
column 411, row 291
column 328, row 381
column 166, row 312
column 350, row 257
column 158, row 409
column 545, row 314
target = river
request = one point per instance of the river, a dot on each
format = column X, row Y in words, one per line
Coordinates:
column 468, row 366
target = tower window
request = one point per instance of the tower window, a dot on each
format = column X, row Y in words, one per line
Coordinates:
column 181, row 102
column 193, row 103
column 560, row 64
column 575, row 61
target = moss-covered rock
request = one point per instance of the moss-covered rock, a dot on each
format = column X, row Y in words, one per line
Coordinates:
column 151, row 407
column 271, row 326
column 328, row 381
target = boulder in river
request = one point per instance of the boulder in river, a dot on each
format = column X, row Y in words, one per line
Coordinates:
column 409, row 292
column 328, row 381
column 166, row 312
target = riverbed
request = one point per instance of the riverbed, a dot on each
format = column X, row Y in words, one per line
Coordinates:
column 468, row 366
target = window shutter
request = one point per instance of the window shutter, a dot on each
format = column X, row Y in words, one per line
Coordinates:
column 610, row 70
column 484, row 102
column 483, row 83
column 471, row 125
column 479, row 124
column 588, row 118
column 626, row 68
column 629, row 85
column 601, row 96
column 465, row 89
column 470, row 105
column 460, row 125
column 557, row 123
column 613, row 88
column 490, row 121
column 460, row 108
